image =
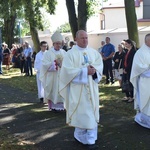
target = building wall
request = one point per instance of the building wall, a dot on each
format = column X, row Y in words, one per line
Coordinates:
column 115, row 20
column 115, row 17
column 96, row 38
column 146, row 12
column 46, row 38
column 140, row 24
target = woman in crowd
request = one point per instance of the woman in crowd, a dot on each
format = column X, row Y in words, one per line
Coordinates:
column 6, row 56
column 127, row 69
column 22, row 59
column 118, row 63
column 13, row 55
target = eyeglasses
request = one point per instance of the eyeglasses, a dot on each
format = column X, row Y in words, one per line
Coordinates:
column 44, row 46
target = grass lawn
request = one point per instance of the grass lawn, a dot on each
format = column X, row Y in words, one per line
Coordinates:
column 14, row 79
column 110, row 100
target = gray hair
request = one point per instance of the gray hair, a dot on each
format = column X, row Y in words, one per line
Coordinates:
column 78, row 32
column 147, row 36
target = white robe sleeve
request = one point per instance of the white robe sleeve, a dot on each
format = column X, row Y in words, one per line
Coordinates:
column 82, row 77
column 37, row 63
column 146, row 74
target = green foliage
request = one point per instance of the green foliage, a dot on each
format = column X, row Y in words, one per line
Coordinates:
column 9, row 8
column 28, row 9
column 92, row 7
column 51, row 6
column 45, row 15
column 33, row 13
column 64, row 28
column 8, row 13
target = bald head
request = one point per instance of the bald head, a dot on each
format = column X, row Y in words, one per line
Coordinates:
column 147, row 39
column 82, row 38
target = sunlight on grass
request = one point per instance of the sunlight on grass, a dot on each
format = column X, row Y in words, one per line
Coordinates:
column 15, row 105
column 9, row 142
column 7, row 119
column 101, row 106
column 14, row 78
column 47, row 136
column 110, row 104
column 38, row 110
column 25, row 143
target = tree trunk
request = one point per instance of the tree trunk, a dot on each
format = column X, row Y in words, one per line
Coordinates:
column 35, row 38
column 131, row 20
column 29, row 7
column 9, row 26
column 72, row 17
column 82, row 14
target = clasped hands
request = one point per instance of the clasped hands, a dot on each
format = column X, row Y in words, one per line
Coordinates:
column 58, row 62
column 91, row 70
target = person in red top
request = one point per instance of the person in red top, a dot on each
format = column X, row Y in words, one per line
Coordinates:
column 6, row 55
column 127, row 68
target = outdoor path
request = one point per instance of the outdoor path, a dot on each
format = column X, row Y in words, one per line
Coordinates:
column 31, row 122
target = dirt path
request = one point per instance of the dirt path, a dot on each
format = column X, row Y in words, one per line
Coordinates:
column 31, row 122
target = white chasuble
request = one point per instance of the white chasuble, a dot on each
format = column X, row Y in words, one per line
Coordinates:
column 49, row 77
column 37, row 66
column 140, row 78
column 81, row 99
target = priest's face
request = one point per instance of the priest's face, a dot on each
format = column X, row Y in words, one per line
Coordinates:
column 57, row 45
column 147, row 41
column 82, row 39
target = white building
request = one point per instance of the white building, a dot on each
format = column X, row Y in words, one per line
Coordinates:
column 113, row 24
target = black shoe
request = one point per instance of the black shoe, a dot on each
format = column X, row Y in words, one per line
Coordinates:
column 130, row 100
column 92, row 147
column 107, row 82
column 80, row 142
column 112, row 82
column 41, row 100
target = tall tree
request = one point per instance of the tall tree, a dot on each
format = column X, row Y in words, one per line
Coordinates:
column 72, row 16
column 83, row 13
column 8, row 15
column 34, row 17
column 131, row 20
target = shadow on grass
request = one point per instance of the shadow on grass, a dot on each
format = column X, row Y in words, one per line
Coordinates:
column 35, row 127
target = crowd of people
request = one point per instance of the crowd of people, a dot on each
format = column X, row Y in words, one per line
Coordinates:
column 118, row 64
column 132, row 66
column 64, row 78
column 68, row 79
column 18, row 56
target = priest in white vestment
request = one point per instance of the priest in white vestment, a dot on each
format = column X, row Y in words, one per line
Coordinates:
column 80, row 74
column 140, row 78
column 37, row 66
column 50, row 70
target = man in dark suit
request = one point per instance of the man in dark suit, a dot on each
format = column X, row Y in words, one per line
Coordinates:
column 107, row 53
